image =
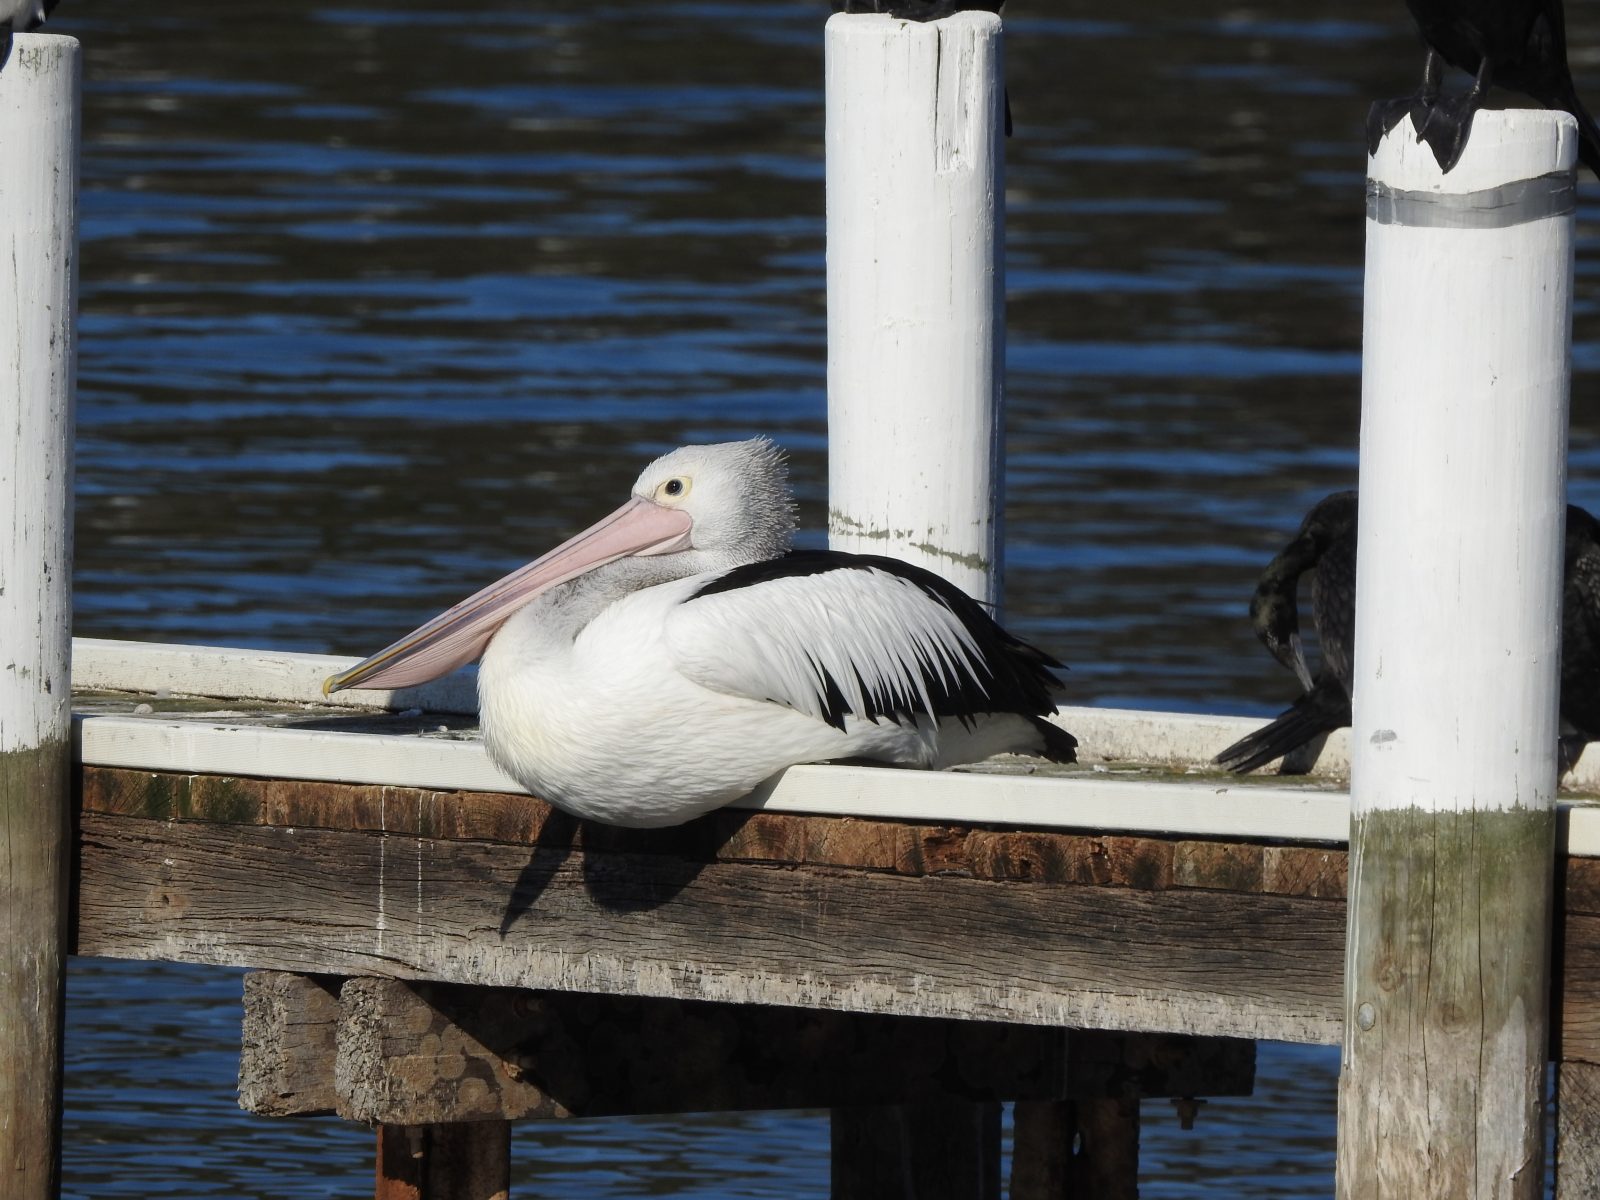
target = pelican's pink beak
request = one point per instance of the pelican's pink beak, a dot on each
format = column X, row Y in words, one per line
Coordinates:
column 460, row 634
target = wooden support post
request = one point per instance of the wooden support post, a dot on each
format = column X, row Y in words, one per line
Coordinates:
column 916, row 292
column 1577, row 1131
column 471, row 1161
column 1463, row 436
column 940, row 1148
column 38, row 299
column 1043, row 1133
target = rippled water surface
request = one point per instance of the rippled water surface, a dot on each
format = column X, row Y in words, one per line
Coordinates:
column 375, row 303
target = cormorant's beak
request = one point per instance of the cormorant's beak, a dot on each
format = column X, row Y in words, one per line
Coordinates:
column 459, row 635
column 1297, row 661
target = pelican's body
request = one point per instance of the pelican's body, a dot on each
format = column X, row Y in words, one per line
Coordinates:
column 649, row 685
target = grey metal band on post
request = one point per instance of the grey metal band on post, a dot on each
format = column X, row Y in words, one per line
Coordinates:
column 1552, row 195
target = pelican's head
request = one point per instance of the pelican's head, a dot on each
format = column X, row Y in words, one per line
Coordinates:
column 708, row 507
column 735, row 496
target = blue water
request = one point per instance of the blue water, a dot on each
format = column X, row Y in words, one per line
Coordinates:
column 376, row 303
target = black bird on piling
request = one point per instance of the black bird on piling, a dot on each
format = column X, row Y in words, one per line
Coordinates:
column 1519, row 44
column 1327, row 542
column 20, row 16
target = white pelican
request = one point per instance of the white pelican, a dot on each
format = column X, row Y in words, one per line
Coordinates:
column 666, row 660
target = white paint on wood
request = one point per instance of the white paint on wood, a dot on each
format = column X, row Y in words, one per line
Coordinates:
column 1466, row 351
column 230, row 673
column 287, row 677
column 1466, row 357
column 1105, row 735
column 916, row 293
column 1125, row 803
column 38, row 302
column 220, row 743
column 38, row 297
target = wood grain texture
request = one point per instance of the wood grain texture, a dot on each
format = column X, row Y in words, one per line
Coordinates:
column 898, row 847
column 444, row 1162
column 288, row 1044
column 1183, row 961
column 1577, row 1174
column 35, row 857
column 1442, row 1087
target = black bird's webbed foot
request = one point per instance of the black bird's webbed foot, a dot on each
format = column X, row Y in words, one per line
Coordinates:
column 1449, row 121
column 1446, row 129
column 1384, row 115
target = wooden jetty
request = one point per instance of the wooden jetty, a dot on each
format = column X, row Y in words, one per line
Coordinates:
column 439, row 954
column 440, row 961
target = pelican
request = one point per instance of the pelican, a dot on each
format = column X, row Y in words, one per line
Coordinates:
column 672, row 656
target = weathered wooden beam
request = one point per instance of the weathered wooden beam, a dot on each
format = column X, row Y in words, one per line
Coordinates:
column 1577, row 1175
column 415, row 1053
column 39, row 133
column 940, row 1148
column 1190, row 961
column 289, row 1042
column 412, row 1053
column 444, row 1162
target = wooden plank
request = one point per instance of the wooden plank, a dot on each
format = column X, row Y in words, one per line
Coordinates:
column 1118, row 735
column 1178, row 961
column 726, row 835
column 1102, row 1065
column 416, row 1053
column 444, row 1162
column 412, row 1053
column 1577, row 1175
column 941, row 1148
column 1221, row 807
column 288, row 1044
column 230, row 673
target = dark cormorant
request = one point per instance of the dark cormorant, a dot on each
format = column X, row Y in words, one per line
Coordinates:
column 1519, row 44
column 1327, row 542
column 20, row 16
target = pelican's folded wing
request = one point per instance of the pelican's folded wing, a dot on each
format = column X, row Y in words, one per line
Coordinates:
column 837, row 635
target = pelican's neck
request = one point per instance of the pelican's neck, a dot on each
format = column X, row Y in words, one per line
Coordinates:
column 555, row 618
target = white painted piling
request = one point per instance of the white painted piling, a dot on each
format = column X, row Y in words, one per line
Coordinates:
column 1466, row 359
column 916, row 292
column 38, row 301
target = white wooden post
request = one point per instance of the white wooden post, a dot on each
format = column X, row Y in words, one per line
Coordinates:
column 38, row 302
column 1463, row 447
column 916, row 292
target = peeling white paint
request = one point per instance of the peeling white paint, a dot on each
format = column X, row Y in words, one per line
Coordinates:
column 916, row 325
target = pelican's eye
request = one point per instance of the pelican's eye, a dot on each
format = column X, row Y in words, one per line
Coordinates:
column 673, row 489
